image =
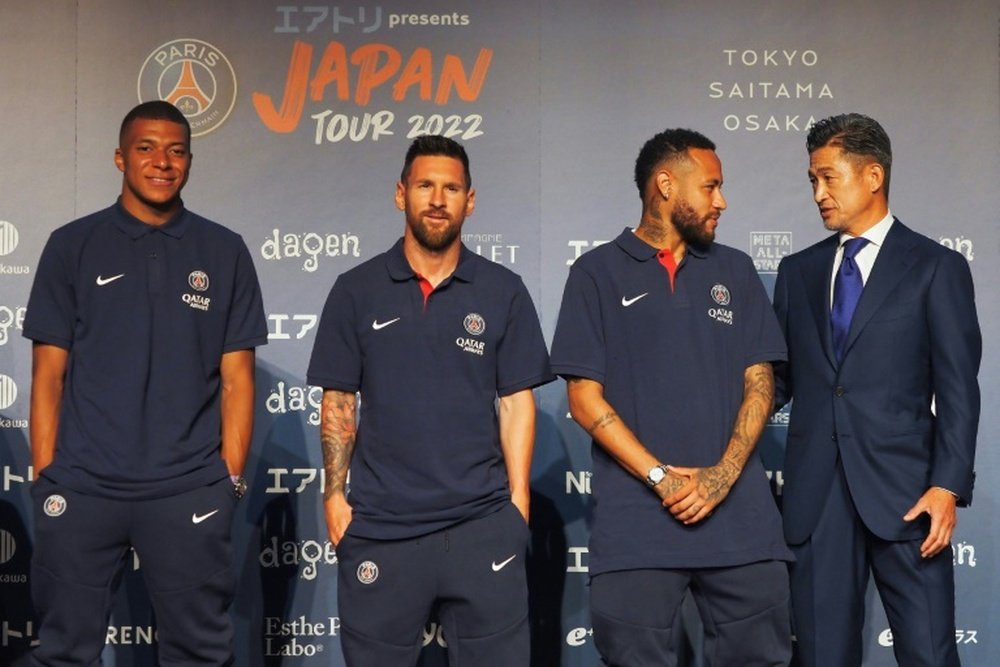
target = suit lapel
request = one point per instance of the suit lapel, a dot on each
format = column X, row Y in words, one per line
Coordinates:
column 816, row 274
column 894, row 259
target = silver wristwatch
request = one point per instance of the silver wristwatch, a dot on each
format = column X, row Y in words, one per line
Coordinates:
column 656, row 475
column 239, row 485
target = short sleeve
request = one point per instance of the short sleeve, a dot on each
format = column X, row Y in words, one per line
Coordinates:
column 51, row 313
column 522, row 358
column 578, row 348
column 336, row 356
column 764, row 340
column 246, row 327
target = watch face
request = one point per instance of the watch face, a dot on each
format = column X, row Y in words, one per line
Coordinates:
column 656, row 475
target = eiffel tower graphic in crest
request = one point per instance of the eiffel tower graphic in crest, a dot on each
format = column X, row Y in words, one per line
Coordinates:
column 187, row 95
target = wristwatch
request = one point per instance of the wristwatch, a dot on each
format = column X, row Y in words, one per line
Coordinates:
column 656, row 475
column 239, row 485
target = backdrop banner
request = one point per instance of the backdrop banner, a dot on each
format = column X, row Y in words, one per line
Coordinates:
column 301, row 115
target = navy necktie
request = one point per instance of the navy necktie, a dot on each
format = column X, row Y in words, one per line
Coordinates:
column 846, row 292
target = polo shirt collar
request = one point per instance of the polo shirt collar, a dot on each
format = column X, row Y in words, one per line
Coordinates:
column 400, row 269
column 642, row 251
column 136, row 228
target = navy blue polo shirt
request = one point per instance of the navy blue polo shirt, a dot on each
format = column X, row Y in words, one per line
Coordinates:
column 427, row 453
column 146, row 313
column 672, row 366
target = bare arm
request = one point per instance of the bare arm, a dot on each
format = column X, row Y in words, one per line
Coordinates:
column 707, row 487
column 48, row 372
column 237, row 373
column 590, row 410
column 338, row 431
column 517, row 440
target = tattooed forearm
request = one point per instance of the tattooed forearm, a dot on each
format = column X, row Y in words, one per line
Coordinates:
column 758, row 400
column 603, row 420
column 337, row 433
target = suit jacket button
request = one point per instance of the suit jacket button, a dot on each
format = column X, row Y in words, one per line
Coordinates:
column 840, row 391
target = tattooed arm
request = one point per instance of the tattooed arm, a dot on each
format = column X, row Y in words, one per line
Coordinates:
column 337, row 433
column 590, row 410
column 707, row 487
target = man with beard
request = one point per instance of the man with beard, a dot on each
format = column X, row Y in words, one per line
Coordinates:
column 666, row 341
column 444, row 348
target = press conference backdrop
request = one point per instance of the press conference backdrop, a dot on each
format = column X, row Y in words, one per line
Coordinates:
column 301, row 114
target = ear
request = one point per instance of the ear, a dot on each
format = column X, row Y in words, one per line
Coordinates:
column 400, row 196
column 119, row 160
column 470, row 203
column 876, row 176
column 663, row 183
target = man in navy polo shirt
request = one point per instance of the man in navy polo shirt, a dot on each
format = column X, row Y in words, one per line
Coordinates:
column 144, row 318
column 444, row 348
column 666, row 340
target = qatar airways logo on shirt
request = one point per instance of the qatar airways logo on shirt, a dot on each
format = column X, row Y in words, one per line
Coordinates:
column 475, row 325
column 720, row 294
column 198, row 281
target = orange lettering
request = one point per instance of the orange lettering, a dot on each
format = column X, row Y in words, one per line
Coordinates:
column 370, row 75
column 287, row 118
column 418, row 71
column 333, row 67
column 453, row 76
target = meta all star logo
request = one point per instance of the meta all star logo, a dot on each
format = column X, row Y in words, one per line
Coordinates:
column 194, row 76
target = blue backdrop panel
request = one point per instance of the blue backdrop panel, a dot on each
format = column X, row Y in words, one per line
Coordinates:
column 302, row 113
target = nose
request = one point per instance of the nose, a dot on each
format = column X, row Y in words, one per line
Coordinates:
column 819, row 192
column 160, row 158
column 437, row 197
column 720, row 201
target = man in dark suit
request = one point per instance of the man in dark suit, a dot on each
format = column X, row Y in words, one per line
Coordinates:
column 883, row 352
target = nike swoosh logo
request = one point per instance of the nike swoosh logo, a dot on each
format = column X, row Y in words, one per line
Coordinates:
column 499, row 566
column 101, row 282
column 195, row 518
column 628, row 302
column 376, row 325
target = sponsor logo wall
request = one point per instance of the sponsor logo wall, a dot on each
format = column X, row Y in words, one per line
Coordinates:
column 301, row 115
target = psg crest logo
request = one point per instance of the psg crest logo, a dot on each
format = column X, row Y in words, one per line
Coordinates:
column 198, row 280
column 474, row 324
column 195, row 77
column 720, row 294
column 54, row 505
column 367, row 572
